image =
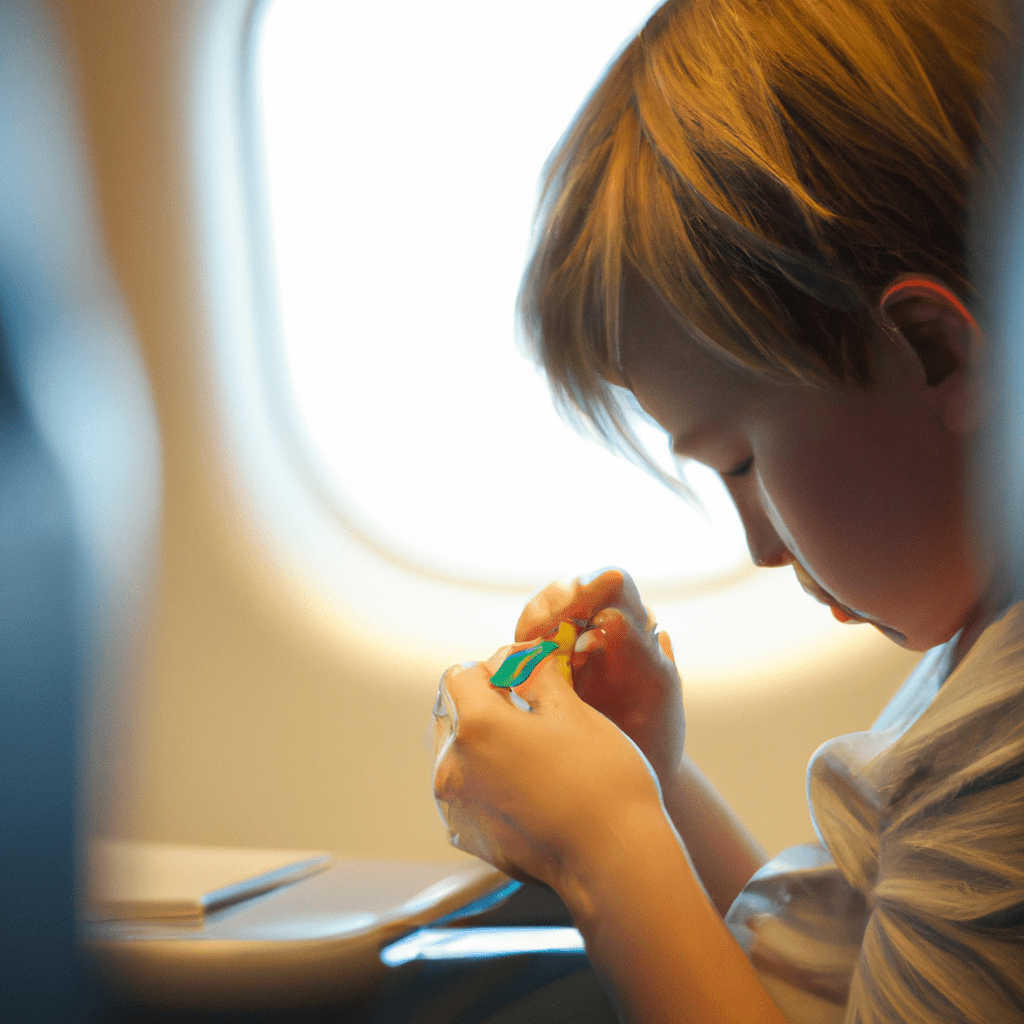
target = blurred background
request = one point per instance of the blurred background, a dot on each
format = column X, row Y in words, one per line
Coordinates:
column 258, row 263
column 307, row 590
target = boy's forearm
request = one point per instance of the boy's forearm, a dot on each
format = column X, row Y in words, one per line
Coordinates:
column 660, row 946
column 723, row 852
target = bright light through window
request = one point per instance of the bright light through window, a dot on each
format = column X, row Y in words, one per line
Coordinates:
column 404, row 143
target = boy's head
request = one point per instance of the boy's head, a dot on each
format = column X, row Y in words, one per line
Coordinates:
column 768, row 167
column 862, row 490
column 720, row 231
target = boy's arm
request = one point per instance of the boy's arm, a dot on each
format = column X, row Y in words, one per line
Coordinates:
column 559, row 794
column 661, row 948
column 626, row 671
column 724, row 854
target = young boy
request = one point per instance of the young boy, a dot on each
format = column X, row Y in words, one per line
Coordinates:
column 756, row 231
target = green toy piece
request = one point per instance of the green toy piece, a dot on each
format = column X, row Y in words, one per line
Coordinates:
column 517, row 667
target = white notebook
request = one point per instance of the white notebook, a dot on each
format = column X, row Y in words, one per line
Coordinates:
column 133, row 881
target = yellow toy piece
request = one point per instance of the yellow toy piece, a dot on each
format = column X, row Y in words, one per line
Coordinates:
column 566, row 640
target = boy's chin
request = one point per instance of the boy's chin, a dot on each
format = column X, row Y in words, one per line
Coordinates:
column 846, row 616
column 920, row 640
column 898, row 638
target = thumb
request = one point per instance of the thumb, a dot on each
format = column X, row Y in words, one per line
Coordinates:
column 546, row 687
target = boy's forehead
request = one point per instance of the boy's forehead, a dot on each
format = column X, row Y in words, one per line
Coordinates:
column 651, row 329
column 655, row 340
column 678, row 376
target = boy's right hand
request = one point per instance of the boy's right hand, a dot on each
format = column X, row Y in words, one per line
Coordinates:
column 622, row 667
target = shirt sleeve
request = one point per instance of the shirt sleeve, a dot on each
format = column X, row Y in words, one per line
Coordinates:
column 911, row 910
column 944, row 940
column 931, row 831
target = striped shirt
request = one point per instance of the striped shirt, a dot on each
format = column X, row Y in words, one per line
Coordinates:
column 911, row 908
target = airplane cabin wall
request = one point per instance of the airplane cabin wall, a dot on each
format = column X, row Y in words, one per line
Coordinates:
column 253, row 722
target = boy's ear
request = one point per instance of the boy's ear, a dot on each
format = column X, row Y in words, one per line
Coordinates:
column 947, row 341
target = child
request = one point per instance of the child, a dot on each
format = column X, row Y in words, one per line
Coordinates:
column 756, row 230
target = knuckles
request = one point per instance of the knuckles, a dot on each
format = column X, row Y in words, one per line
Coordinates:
column 454, row 671
column 445, row 788
column 578, row 600
column 473, row 730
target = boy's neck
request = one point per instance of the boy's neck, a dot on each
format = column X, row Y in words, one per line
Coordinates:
column 996, row 599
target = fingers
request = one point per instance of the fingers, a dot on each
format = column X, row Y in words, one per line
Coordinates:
column 579, row 600
column 666, row 647
column 546, row 609
column 467, row 704
column 470, row 694
column 459, row 695
column 612, row 659
column 485, row 723
column 614, row 629
column 545, row 689
column 651, row 622
column 446, row 717
column 480, row 745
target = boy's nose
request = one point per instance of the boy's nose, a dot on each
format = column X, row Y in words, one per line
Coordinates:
column 770, row 556
column 767, row 548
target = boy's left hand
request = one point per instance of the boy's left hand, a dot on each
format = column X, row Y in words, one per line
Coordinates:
column 626, row 670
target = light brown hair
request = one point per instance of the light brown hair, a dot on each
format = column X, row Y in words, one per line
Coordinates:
column 773, row 164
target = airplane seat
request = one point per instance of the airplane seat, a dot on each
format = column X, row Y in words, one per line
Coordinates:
column 997, row 248
column 77, row 503
column 41, row 682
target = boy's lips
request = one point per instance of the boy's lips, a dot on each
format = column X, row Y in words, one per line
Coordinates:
column 839, row 610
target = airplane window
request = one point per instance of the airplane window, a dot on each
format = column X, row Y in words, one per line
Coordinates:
column 403, row 147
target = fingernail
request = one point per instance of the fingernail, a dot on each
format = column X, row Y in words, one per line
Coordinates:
column 666, row 646
column 518, row 701
column 585, row 641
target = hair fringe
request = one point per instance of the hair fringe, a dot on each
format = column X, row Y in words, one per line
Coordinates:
column 772, row 164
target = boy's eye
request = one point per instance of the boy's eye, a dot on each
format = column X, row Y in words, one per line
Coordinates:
column 742, row 469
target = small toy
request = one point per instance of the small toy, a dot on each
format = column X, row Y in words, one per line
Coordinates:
column 565, row 638
column 518, row 666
